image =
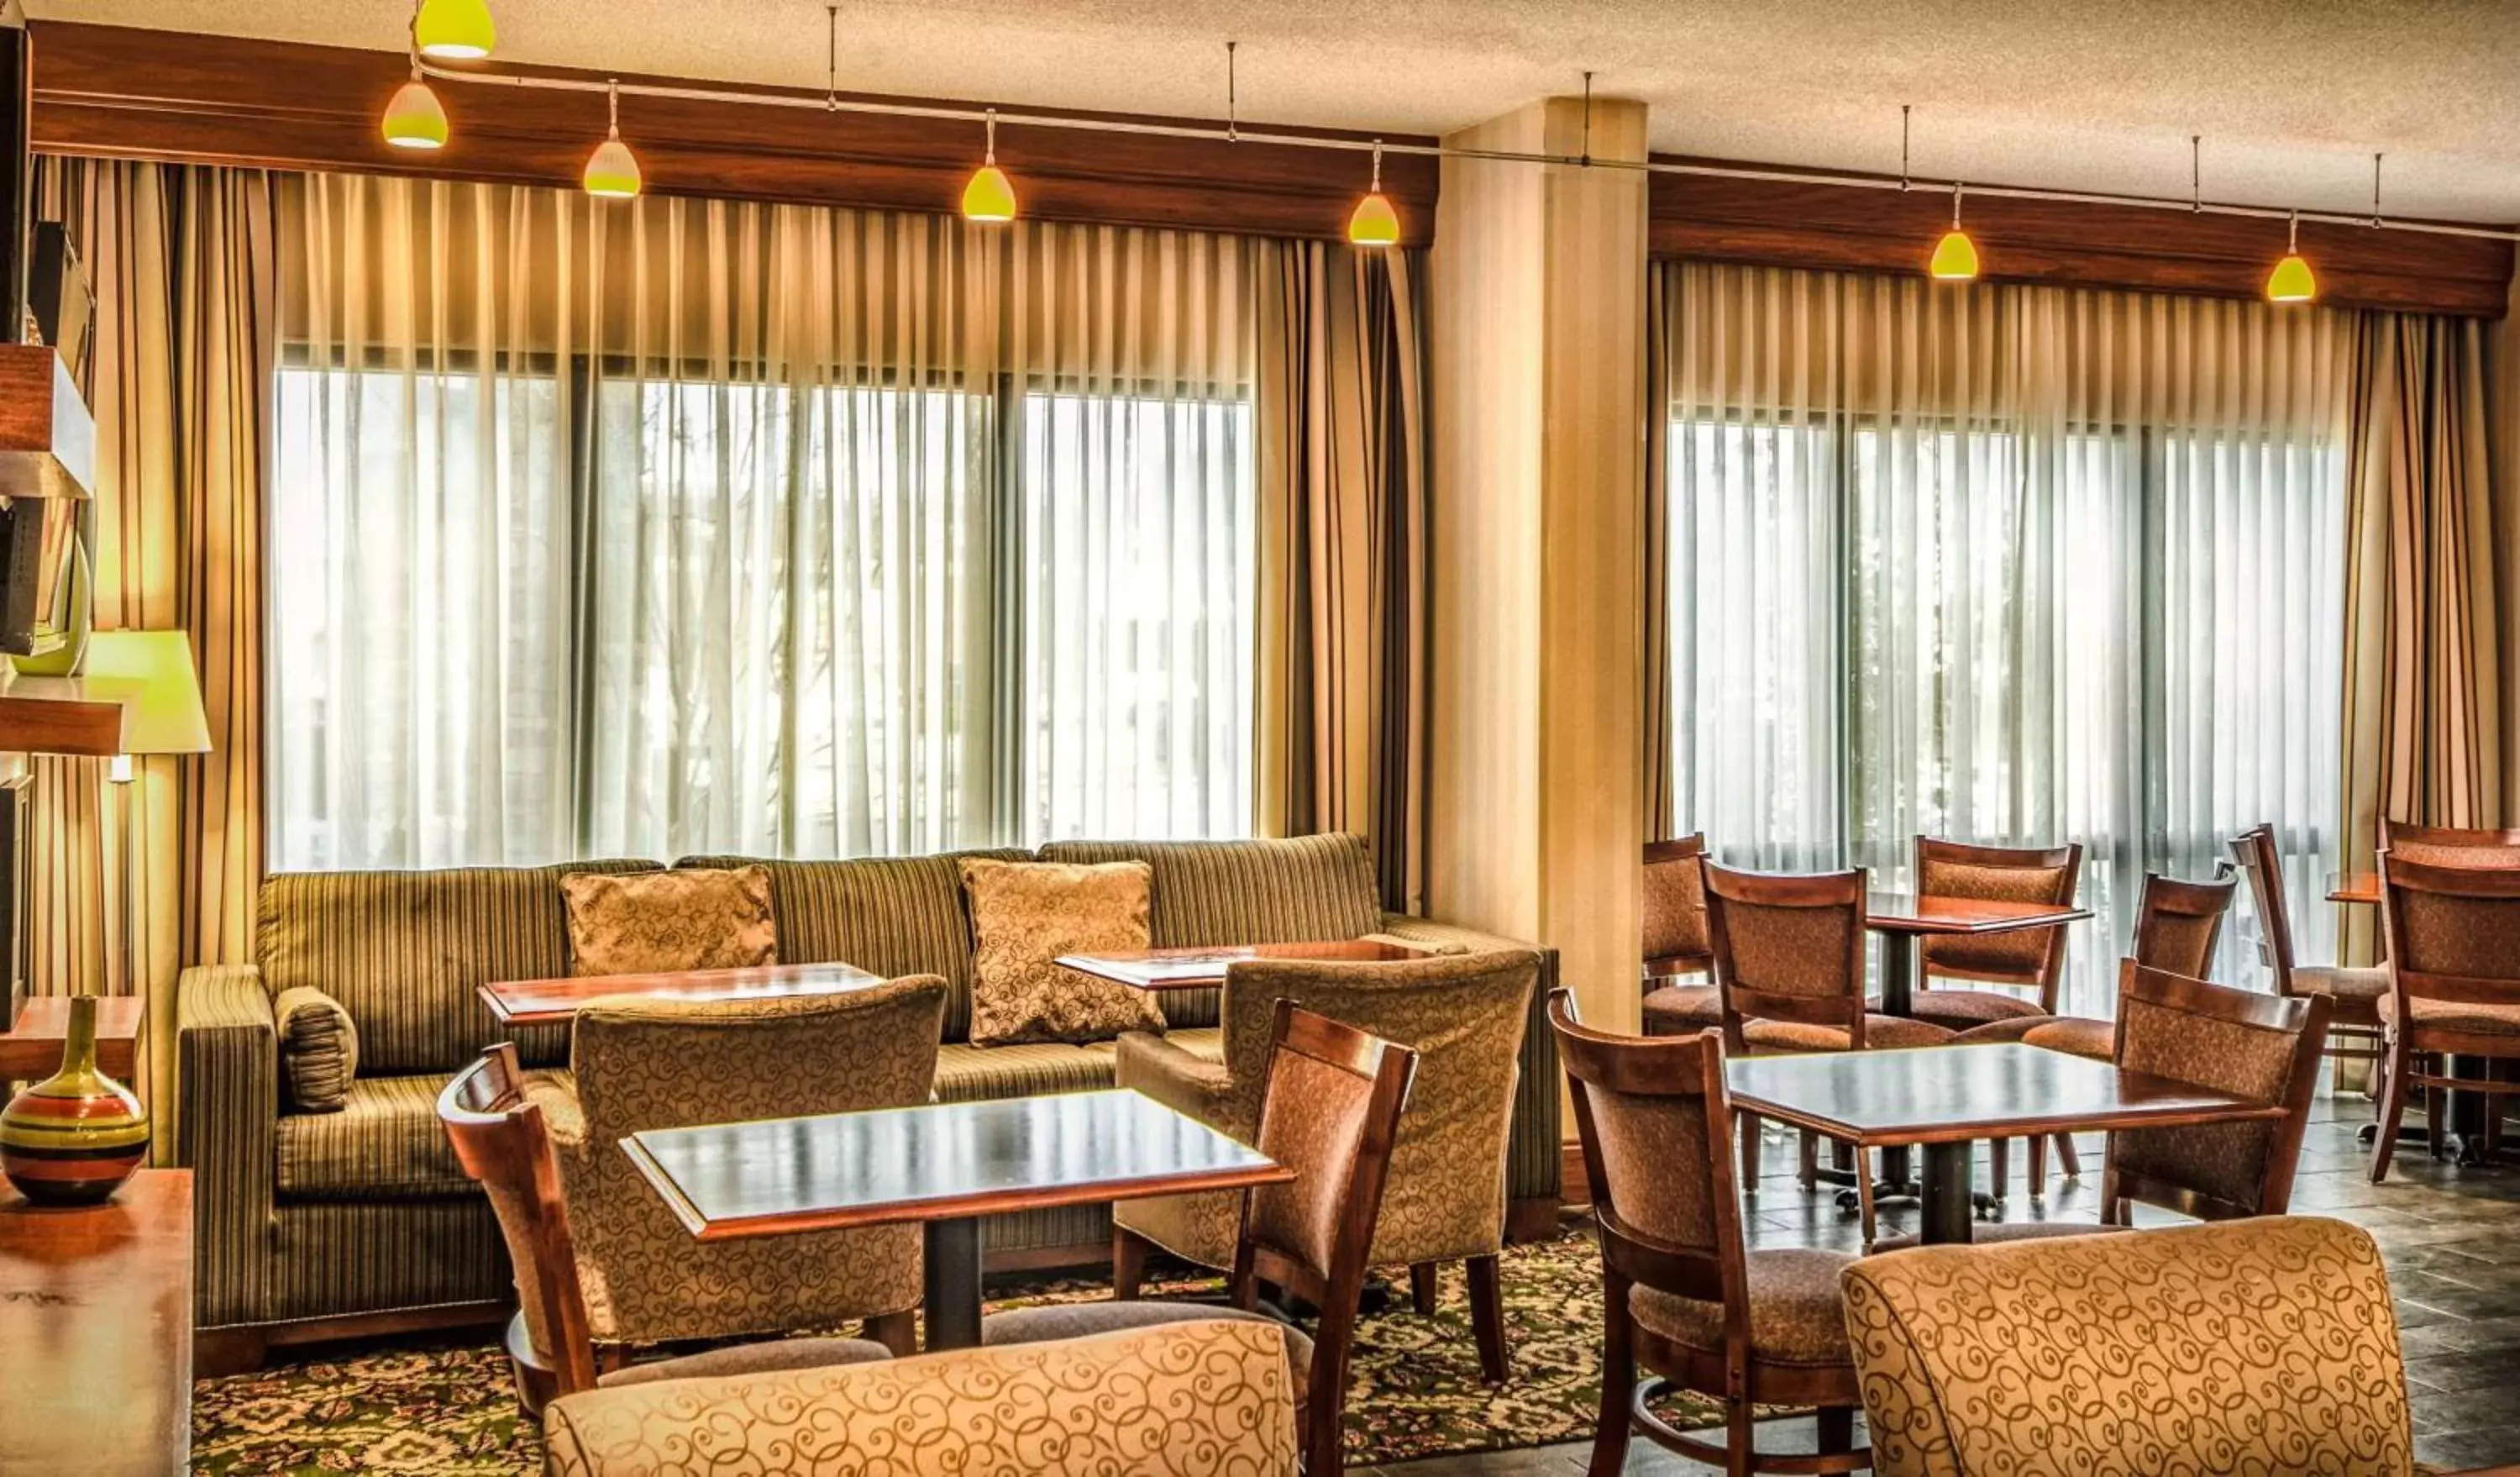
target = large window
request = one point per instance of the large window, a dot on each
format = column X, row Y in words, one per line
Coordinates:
column 803, row 533
column 2011, row 567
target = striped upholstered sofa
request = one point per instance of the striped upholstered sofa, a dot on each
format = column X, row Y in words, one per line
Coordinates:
column 311, row 1225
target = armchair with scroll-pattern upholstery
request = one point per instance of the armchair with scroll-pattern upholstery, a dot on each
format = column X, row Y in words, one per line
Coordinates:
column 1205, row 1399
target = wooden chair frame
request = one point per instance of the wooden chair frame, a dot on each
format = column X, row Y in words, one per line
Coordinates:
column 1671, row 965
column 1686, row 1067
column 2166, row 897
column 2255, row 853
column 2395, row 833
column 2305, row 1016
column 500, row 1137
column 2067, row 860
column 2414, row 1054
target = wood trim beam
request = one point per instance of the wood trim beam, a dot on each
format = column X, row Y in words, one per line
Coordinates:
column 1849, row 228
column 130, row 93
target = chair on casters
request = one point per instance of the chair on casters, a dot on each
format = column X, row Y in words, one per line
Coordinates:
column 1331, row 1110
column 2454, row 989
column 1684, row 1298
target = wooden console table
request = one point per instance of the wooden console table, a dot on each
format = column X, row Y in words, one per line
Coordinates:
column 95, row 1332
column 31, row 1050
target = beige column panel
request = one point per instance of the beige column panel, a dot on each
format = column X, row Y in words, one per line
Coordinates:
column 1538, row 279
column 2503, row 429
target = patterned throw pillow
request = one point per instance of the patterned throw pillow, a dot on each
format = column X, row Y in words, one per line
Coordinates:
column 1024, row 914
column 319, row 1049
column 648, row 922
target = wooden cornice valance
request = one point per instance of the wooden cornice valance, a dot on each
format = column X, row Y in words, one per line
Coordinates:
column 128, row 93
column 1850, row 228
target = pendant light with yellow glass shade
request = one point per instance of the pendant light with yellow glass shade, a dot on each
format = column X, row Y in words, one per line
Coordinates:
column 613, row 170
column 1954, row 255
column 1373, row 222
column 990, row 196
column 454, row 31
column 2292, row 280
column 414, row 119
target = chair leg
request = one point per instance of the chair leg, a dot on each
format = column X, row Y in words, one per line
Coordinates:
column 1864, row 1195
column 1808, row 1169
column 2435, row 1099
column 2113, row 1209
column 1836, row 1429
column 1612, row 1427
column 1750, row 1133
column 1999, row 1165
column 1421, row 1287
column 1128, row 1265
column 2038, row 1165
column 610, row 1359
column 2392, row 1108
column 896, row 1331
column 1740, row 1439
column 2069, row 1158
column 1487, row 1319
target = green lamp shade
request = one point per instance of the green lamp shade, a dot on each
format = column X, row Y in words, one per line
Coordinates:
column 1374, row 223
column 1955, row 257
column 413, row 120
column 455, row 30
column 990, row 196
column 150, row 673
column 2291, row 280
column 612, row 170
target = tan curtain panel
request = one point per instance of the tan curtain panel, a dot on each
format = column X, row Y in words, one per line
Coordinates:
column 184, row 268
column 2423, row 705
column 1343, row 506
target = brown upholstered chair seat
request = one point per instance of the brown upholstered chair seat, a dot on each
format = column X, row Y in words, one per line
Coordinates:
column 2339, row 982
column 2004, row 1030
column 771, row 1356
column 1059, row 1320
column 2011, row 1230
column 1961, row 1009
column 2095, row 1039
column 1796, row 1313
column 1678, row 1010
column 1879, row 1031
column 2456, row 1015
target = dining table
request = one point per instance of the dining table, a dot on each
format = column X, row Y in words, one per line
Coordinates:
column 1202, row 967
column 943, row 1166
column 555, row 1001
column 1943, row 1100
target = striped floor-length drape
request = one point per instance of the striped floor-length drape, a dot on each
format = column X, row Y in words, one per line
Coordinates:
column 182, row 262
column 2423, row 702
column 1343, row 506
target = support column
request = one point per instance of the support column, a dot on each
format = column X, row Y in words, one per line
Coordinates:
column 1539, row 299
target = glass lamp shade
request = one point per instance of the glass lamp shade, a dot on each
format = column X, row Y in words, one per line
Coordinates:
column 455, row 30
column 1955, row 257
column 413, row 120
column 1374, row 223
column 2291, row 280
column 990, row 195
column 612, row 170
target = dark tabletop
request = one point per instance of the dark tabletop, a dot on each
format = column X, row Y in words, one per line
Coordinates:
column 1940, row 1095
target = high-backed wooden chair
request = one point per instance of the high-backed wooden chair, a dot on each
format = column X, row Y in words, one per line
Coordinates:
column 2454, row 988
column 2176, row 924
column 2353, row 995
column 2450, row 845
column 2030, row 958
column 1676, row 941
column 494, row 1116
column 1684, row 1297
column 2240, row 1042
column 1789, row 964
column 1331, row 1110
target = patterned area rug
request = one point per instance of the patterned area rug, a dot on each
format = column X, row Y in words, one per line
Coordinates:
column 449, row 1409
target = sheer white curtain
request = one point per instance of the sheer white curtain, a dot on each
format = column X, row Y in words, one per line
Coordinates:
column 2010, row 565
column 678, row 526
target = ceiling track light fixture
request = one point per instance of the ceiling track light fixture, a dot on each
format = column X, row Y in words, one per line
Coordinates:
column 2292, row 280
column 409, row 125
column 1954, row 255
column 1374, row 223
column 990, row 196
column 613, row 170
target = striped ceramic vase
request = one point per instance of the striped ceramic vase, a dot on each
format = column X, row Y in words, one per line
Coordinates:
column 73, row 1137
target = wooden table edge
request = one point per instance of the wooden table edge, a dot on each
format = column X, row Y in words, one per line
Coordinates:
column 1919, row 1135
column 1919, row 926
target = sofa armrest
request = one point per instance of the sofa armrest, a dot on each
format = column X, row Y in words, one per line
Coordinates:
column 1193, row 1086
column 1535, row 1153
column 227, row 1116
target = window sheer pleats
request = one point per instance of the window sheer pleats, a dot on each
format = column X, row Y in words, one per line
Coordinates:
column 678, row 526
column 2006, row 565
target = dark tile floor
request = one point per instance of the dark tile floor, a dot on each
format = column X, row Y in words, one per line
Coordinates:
column 2451, row 1236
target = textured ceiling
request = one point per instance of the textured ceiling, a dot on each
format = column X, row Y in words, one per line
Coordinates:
column 2292, row 96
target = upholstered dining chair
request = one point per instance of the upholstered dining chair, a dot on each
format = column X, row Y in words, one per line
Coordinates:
column 1685, row 1299
column 1462, row 1013
column 1675, row 940
column 2029, row 959
column 2082, row 1355
column 2450, row 845
column 2454, row 988
column 494, row 1117
column 2259, row 1047
column 641, row 1064
column 1332, row 1101
column 2352, row 994
column 2176, row 924
column 1790, row 964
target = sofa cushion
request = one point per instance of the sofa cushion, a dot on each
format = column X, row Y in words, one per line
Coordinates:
column 889, row 916
column 1248, row 892
column 1024, row 914
column 691, row 917
column 976, row 1074
column 406, row 954
column 385, row 1143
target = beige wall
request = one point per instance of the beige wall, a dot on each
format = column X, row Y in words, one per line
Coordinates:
column 2502, row 392
column 1538, row 282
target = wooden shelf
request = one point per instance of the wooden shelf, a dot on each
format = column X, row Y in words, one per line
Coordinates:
column 47, row 437
column 59, row 715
